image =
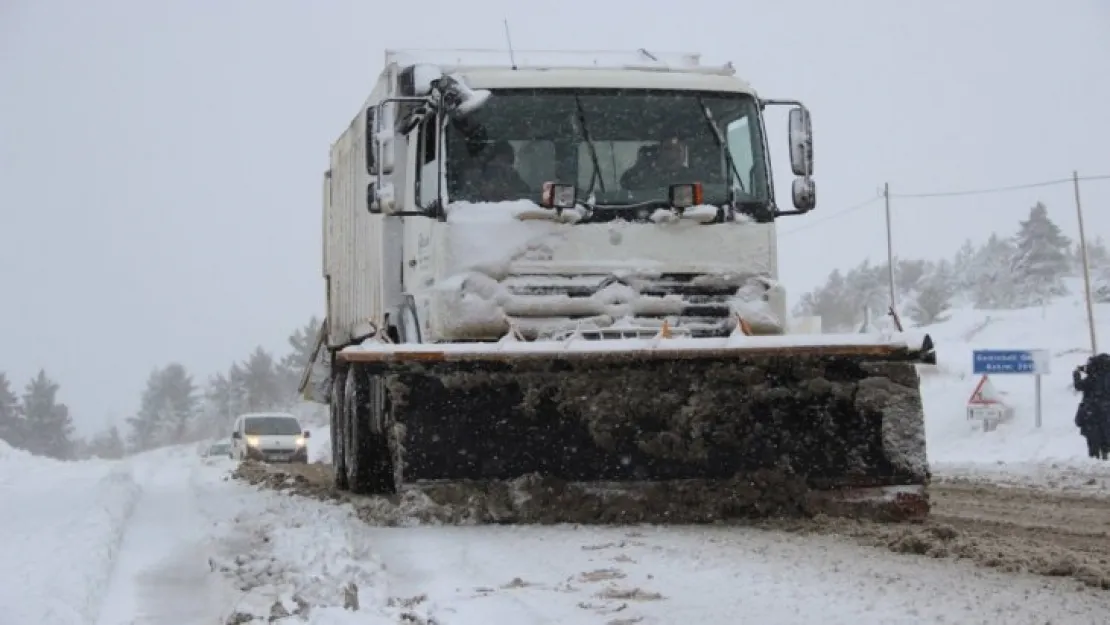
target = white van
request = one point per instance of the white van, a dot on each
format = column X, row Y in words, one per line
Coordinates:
column 269, row 437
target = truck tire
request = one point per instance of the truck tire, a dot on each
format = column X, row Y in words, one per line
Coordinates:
column 370, row 466
column 338, row 429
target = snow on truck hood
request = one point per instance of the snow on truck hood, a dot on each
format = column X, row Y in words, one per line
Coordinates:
column 517, row 260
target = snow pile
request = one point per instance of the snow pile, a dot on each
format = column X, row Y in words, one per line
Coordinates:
column 954, row 442
column 63, row 524
column 309, row 561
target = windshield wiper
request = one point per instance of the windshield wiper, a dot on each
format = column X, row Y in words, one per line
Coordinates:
column 723, row 145
column 596, row 176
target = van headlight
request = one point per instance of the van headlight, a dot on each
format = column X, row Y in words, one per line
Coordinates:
column 252, row 441
column 299, row 442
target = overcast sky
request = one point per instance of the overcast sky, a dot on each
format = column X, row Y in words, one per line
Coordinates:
column 160, row 162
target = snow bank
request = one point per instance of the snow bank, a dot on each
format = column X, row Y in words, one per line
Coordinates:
column 955, row 444
column 302, row 557
column 63, row 524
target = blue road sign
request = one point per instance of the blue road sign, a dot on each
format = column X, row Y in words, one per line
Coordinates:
column 1027, row 361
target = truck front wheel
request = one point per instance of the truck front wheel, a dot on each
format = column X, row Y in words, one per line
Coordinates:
column 369, row 459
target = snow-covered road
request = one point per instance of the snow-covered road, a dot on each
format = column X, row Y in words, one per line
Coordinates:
column 163, row 538
column 162, row 573
column 474, row 575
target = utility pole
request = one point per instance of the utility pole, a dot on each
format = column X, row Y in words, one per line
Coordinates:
column 1086, row 265
column 889, row 247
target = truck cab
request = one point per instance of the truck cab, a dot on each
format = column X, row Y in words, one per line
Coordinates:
column 471, row 200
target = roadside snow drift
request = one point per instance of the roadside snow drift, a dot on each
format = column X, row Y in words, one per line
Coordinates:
column 62, row 525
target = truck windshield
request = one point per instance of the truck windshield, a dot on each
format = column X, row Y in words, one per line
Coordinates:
column 643, row 141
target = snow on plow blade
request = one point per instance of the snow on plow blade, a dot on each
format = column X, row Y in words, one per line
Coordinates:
column 835, row 423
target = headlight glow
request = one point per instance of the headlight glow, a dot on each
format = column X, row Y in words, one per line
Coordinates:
column 252, row 441
column 300, row 441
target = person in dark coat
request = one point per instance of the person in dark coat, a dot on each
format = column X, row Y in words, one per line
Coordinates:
column 1093, row 416
column 491, row 176
column 659, row 165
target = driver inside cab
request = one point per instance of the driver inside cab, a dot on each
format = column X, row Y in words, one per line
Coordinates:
column 658, row 165
column 491, row 176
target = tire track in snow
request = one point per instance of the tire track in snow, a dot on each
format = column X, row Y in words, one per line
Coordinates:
column 162, row 573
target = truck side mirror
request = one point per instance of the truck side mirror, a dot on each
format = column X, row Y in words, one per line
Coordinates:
column 804, row 194
column 372, row 204
column 379, row 155
column 307, row 434
column 236, row 435
column 800, row 131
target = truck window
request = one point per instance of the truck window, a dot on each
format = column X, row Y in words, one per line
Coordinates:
column 427, row 167
column 630, row 131
column 740, row 146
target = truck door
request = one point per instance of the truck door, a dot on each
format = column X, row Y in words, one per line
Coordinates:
column 419, row 264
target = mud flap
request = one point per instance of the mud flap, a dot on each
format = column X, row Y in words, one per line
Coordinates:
column 840, row 419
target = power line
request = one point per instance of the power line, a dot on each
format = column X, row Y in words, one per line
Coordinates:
column 831, row 216
column 938, row 194
column 991, row 190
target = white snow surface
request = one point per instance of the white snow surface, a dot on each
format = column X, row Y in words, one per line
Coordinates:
column 164, row 538
column 62, row 524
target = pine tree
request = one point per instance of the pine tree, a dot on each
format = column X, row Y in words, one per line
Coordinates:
column 221, row 406
column 12, row 423
column 259, row 383
column 302, row 342
column 830, row 302
column 108, row 444
column 179, row 404
column 145, row 424
column 49, row 426
column 167, row 409
column 1041, row 260
column 909, row 274
column 293, row 364
column 934, row 295
column 990, row 277
column 867, row 287
column 963, row 272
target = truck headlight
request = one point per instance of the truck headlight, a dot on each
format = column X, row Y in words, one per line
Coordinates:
column 685, row 195
column 299, row 442
column 252, row 441
column 557, row 195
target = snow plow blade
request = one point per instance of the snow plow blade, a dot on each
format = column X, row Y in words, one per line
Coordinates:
column 832, row 425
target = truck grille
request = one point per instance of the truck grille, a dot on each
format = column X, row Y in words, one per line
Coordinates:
column 608, row 306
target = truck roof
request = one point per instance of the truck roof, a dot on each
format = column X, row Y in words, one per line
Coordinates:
column 535, row 69
column 601, row 79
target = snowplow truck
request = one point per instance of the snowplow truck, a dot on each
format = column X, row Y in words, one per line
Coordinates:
column 564, row 265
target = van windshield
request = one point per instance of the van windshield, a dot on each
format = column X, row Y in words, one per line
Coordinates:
column 271, row 426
